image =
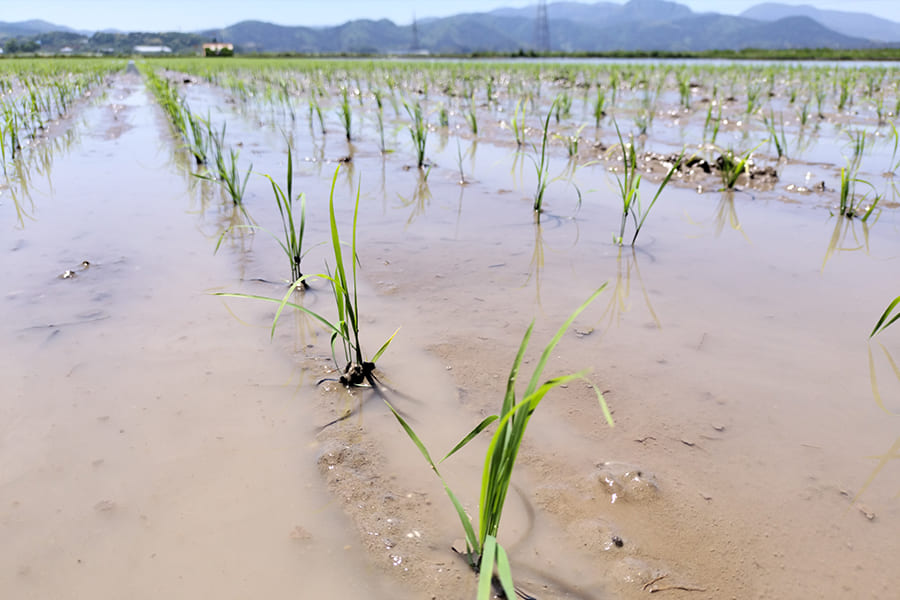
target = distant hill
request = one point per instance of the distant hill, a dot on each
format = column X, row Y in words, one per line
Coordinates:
column 362, row 36
column 638, row 25
column 848, row 23
column 28, row 28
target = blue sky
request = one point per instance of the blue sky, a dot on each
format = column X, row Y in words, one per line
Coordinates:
column 190, row 15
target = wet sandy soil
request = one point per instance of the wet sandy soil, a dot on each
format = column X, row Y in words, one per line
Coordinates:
column 155, row 442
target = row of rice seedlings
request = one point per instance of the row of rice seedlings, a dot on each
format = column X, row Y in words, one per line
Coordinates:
column 484, row 553
column 439, row 76
column 41, row 98
column 195, row 133
column 35, row 93
column 407, row 83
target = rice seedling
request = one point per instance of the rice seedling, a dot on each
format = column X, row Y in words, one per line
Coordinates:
column 227, row 172
column 563, row 106
column 780, row 141
column 753, row 94
column 630, row 193
column 518, row 124
column 712, row 124
column 886, row 319
column 858, row 148
column 472, row 116
column 599, row 107
column 820, row 103
column 803, row 115
column 845, row 94
column 542, row 166
column 315, row 108
column 292, row 243
column 418, row 131
column 895, row 135
column 198, row 140
column 571, row 142
column 357, row 370
column 379, row 113
column 732, row 166
column 345, row 113
column 459, row 163
column 849, row 204
column 483, row 550
column 684, row 91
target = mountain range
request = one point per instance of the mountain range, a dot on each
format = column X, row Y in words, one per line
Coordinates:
column 638, row 25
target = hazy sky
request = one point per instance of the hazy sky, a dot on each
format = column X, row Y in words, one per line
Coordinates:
column 190, row 15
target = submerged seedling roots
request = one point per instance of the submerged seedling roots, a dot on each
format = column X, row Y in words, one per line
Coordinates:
column 356, row 374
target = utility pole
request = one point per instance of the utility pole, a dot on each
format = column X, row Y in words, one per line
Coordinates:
column 542, row 28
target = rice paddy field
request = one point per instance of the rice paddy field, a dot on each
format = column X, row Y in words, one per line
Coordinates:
column 159, row 437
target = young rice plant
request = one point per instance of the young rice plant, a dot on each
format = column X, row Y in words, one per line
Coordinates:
column 484, row 552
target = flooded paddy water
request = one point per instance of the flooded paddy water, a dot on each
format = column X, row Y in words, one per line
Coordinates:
column 155, row 441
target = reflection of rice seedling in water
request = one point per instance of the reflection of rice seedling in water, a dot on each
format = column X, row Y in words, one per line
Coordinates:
column 629, row 190
column 886, row 319
column 845, row 238
column 484, row 552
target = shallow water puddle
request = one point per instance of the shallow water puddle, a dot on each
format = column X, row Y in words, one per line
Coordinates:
column 150, row 445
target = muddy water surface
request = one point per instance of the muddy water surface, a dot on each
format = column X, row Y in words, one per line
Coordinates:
column 155, row 442
column 151, row 445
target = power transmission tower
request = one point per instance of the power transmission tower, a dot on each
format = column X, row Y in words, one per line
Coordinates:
column 415, row 34
column 542, row 28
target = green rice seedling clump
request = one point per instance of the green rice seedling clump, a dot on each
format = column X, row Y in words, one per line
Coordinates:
column 630, row 190
column 483, row 550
